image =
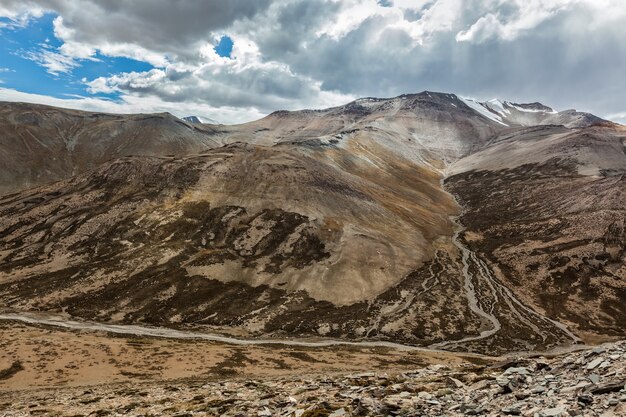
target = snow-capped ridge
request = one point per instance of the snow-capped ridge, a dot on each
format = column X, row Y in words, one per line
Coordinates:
column 198, row 119
column 494, row 113
column 498, row 106
column 483, row 110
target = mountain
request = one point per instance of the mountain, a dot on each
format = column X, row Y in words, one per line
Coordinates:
column 425, row 219
column 533, row 114
column 199, row 120
column 41, row 144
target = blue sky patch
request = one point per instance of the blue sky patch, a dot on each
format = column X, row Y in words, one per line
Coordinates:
column 225, row 47
column 20, row 47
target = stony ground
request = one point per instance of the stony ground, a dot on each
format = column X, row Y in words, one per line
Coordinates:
column 584, row 383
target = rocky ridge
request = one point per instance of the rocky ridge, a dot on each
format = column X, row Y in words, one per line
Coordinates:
column 42, row 144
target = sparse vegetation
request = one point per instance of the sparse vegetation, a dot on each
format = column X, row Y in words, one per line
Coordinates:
column 15, row 367
column 303, row 356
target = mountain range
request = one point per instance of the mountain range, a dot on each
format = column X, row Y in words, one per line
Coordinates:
column 425, row 219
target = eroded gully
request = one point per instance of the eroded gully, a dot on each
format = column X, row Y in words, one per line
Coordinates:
column 498, row 293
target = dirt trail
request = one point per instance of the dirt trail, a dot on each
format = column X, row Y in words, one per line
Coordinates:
column 47, row 319
column 52, row 320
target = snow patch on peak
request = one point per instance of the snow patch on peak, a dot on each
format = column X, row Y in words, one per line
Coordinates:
column 197, row 119
column 369, row 102
column 498, row 106
column 483, row 110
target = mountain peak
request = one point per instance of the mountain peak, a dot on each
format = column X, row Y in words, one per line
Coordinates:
column 536, row 106
column 199, row 120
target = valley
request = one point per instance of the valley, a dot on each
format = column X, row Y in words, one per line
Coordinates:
column 348, row 223
column 312, row 208
column 403, row 231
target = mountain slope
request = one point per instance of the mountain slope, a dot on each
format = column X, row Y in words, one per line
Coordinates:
column 546, row 209
column 40, row 144
column 425, row 123
column 304, row 246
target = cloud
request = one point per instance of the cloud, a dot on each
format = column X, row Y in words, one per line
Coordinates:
column 565, row 53
column 262, row 86
column 180, row 42
column 55, row 63
column 136, row 104
column 18, row 14
column 159, row 26
column 511, row 21
column 617, row 117
column 290, row 54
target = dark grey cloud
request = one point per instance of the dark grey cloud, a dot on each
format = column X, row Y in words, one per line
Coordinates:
column 264, row 88
column 290, row 25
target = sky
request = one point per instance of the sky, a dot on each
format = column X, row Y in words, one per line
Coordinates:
column 238, row 60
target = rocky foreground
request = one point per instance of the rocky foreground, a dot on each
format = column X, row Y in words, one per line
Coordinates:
column 584, row 383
